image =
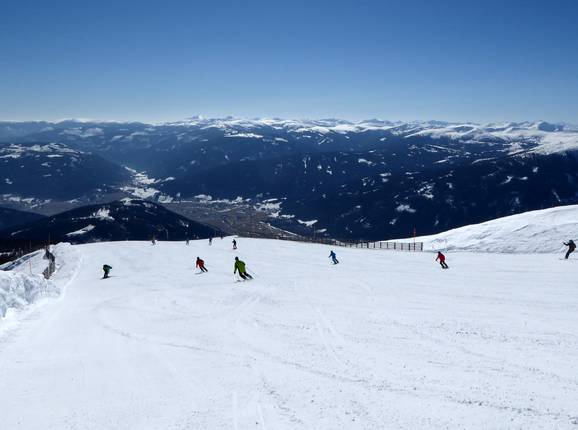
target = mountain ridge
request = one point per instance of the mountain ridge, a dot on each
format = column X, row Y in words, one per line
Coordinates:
column 361, row 180
column 126, row 219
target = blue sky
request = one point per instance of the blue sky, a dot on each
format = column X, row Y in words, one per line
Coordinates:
column 399, row 60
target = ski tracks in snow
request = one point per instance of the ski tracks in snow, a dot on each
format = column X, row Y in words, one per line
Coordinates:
column 328, row 336
column 388, row 346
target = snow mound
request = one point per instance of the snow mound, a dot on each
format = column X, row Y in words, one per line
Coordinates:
column 540, row 231
column 22, row 282
column 17, row 290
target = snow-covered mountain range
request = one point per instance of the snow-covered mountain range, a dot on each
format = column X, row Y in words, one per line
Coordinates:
column 127, row 219
column 31, row 171
column 540, row 136
column 369, row 179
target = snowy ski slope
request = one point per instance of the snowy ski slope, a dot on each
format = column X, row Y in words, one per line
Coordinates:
column 541, row 231
column 384, row 340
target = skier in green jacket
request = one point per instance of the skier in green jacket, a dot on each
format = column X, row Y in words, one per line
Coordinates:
column 240, row 266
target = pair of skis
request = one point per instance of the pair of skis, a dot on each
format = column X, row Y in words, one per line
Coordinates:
column 238, row 278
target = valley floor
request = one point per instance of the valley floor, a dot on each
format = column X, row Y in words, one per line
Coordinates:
column 383, row 340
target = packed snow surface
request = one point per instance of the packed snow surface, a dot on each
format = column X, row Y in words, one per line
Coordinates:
column 384, row 340
column 541, row 231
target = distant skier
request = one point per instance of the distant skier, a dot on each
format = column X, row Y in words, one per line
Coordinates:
column 442, row 259
column 333, row 257
column 201, row 265
column 571, row 248
column 187, row 242
column 153, row 241
column 106, row 268
column 234, row 244
column 49, row 255
column 240, row 266
column 210, row 241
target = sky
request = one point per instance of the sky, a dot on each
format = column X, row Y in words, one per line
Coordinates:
column 156, row 61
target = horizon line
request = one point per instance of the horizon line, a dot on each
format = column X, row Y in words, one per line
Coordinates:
column 274, row 118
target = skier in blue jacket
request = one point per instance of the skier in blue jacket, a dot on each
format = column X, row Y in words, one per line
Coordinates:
column 333, row 257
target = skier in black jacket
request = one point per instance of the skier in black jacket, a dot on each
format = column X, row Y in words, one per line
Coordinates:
column 571, row 248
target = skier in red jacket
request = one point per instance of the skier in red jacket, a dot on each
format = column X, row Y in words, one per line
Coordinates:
column 442, row 259
column 201, row 265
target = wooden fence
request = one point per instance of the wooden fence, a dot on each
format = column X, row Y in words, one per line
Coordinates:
column 392, row 246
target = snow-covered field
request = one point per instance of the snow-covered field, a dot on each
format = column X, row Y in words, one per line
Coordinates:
column 383, row 340
column 541, row 231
